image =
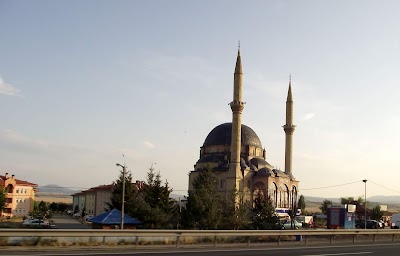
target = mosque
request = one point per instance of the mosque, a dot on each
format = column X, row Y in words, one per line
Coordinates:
column 236, row 156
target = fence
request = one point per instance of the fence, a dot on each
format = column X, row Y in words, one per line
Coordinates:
column 179, row 237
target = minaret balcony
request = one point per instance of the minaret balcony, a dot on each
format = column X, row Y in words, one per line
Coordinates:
column 289, row 128
column 237, row 106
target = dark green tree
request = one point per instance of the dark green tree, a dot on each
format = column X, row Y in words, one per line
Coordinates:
column 324, row 206
column 376, row 213
column 63, row 206
column 2, row 199
column 53, row 207
column 83, row 213
column 131, row 194
column 158, row 209
column 148, row 202
column 264, row 216
column 351, row 200
column 302, row 204
column 42, row 207
column 203, row 206
column 236, row 212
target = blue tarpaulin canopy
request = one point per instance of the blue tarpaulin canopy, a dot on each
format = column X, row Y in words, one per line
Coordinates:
column 113, row 217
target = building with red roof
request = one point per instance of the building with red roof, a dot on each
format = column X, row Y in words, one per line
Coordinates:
column 94, row 200
column 20, row 195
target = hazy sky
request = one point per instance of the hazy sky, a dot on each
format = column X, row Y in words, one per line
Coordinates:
column 83, row 82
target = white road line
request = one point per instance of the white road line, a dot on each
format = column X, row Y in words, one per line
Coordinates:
column 336, row 254
column 107, row 251
column 173, row 252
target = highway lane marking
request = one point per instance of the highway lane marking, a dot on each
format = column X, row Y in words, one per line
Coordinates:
column 107, row 251
column 336, row 254
column 133, row 253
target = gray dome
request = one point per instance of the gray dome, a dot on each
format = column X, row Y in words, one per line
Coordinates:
column 222, row 134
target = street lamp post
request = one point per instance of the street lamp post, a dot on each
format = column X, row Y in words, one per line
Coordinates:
column 365, row 204
column 123, row 194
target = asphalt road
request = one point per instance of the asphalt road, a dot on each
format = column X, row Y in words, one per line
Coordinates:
column 68, row 222
column 392, row 249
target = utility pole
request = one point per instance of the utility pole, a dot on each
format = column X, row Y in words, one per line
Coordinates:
column 123, row 194
column 365, row 204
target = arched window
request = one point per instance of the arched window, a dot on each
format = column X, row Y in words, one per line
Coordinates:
column 260, row 191
column 10, row 188
column 275, row 194
column 294, row 197
column 285, row 194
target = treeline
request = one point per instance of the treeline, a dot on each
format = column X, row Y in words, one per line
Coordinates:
column 375, row 213
column 205, row 208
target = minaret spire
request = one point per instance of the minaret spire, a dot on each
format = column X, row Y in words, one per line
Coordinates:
column 289, row 128
column 235, row 173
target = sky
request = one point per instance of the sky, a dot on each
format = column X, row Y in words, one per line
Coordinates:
column 88, row 84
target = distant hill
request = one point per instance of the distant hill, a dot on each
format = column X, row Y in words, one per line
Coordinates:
column 392, row 202
column 55, row 189
column 320, row 199
column 376, row 199
column 385, row 199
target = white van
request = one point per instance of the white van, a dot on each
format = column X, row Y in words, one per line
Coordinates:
column 307, row 221
column 395, row 221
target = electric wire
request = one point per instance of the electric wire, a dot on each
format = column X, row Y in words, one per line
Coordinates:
column 333, row 186
column 384, row 187
column 182, row 190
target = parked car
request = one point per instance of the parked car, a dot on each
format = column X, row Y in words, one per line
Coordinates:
column 288, row 224
column 77, row 214
column 87, row 218
column 370, row 224
column 35, row 223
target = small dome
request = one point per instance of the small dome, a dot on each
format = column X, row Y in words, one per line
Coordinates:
column 222, row 134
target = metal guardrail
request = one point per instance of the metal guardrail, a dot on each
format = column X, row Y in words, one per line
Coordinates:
column 214, row 234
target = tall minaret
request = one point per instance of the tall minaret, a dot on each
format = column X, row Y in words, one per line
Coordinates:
column 289, row 130
column 235, row 174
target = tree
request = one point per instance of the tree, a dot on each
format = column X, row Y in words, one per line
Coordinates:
column 324, row 206
column 63, row 206
column 42, row 206
column 236, row 212
column 53, row 207
column 302, row 204
column 40, row 209
column 264, row 215
column 351, row 200
column 35, row 206
column 131, row 205
column 158, row 208
column 203, row 207
column 2, row 199
column 149, row 202
column 376, row 213
column 347, row 200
